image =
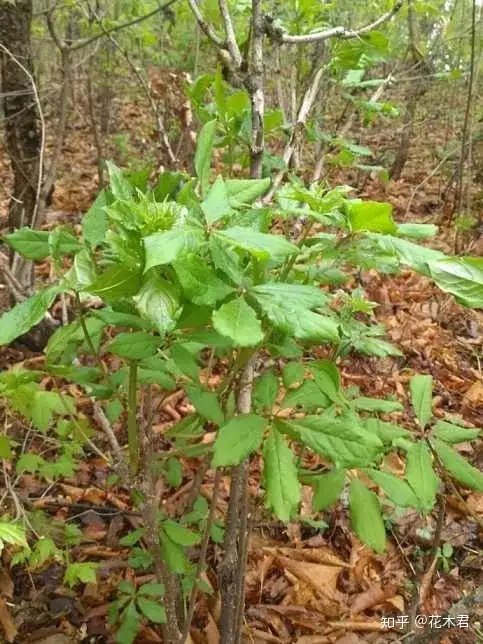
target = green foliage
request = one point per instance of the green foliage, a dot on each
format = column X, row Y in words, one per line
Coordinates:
column 84, row 573
column 366, row 516
column 195, row 282
column 237, row 439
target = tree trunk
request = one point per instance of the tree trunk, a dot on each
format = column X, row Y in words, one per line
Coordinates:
column 23, row 140
column 407, row 134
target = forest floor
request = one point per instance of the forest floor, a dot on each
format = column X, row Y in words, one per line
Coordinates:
column 303, row 585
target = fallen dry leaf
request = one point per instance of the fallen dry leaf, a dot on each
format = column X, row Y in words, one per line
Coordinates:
column 322, row 578
column 312, row 639
column 211, row 631
column 349, row 638
column 352, row 625
column 314, row 555
column 6, row 584
column 371, row 597
column 7, row 622
column 474, row 396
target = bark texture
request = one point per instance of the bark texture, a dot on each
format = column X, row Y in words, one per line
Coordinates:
column 23, row 140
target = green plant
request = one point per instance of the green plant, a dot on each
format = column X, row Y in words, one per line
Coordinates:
column 187, row 274
column 133, row 604
column 444, row 554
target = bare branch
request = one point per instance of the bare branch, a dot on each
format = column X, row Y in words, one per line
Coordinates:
column 303, row 114
column 60, row 44
column 102, row 420
column 339, row 32
column 87, row 41
column 206, row 28
column 142, row 81
column 230, row 34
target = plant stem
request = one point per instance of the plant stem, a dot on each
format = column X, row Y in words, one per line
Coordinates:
column 232, row 567
column 202, row 559
column 132, row 423
column 150, row 512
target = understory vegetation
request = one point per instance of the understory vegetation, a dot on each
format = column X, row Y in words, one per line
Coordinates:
column 241, row 388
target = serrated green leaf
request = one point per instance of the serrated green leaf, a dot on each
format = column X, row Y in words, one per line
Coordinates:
column 152, row 377
column 376, row 404
column 34, row 244
column 204, row 148
column 26, row 314
column 118, row 182
column 155, row 612
column 206, row 404
column 115, row 283
column 179, row 534
column 460, row 276
column 343, row 442
column 244, row 191
column 173, row 554
column 28, row 463
column 366, row 516
column 185, row 362
column 200, row 283
column 237, row 439
column 372, row 216
column 458, row 466
column 420, row 475
column 328, row 488
column 417, row 231
column 158, row 302
column 134, row 346
column 263, row 246
column 387, row 432
column 45, row 403
column 308, row 396
column 164, row 248
column 266, row 390
column 302, row 323
column 117, row 319
column 133, row 537
column 398, row 491
column 327, row 378
column 421, row 387
column 216, row 205
column 83, row 572
column 375, row 347
column 450, row 433
column 414, row 255
column 297, row 295
column 238, row 321
column 127, row 587
column 81, row 274
column 293, row 373
column 152, row 589
column 12, row 533
column 226, row 260
column 95, row 222
column 174, row 472
column 130, row 625
column 282, row 488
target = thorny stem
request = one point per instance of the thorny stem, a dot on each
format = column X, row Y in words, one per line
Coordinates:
column 202, row 559
column 232, row 568
column 132, row 422
column 150, row 510
column 425, row 579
